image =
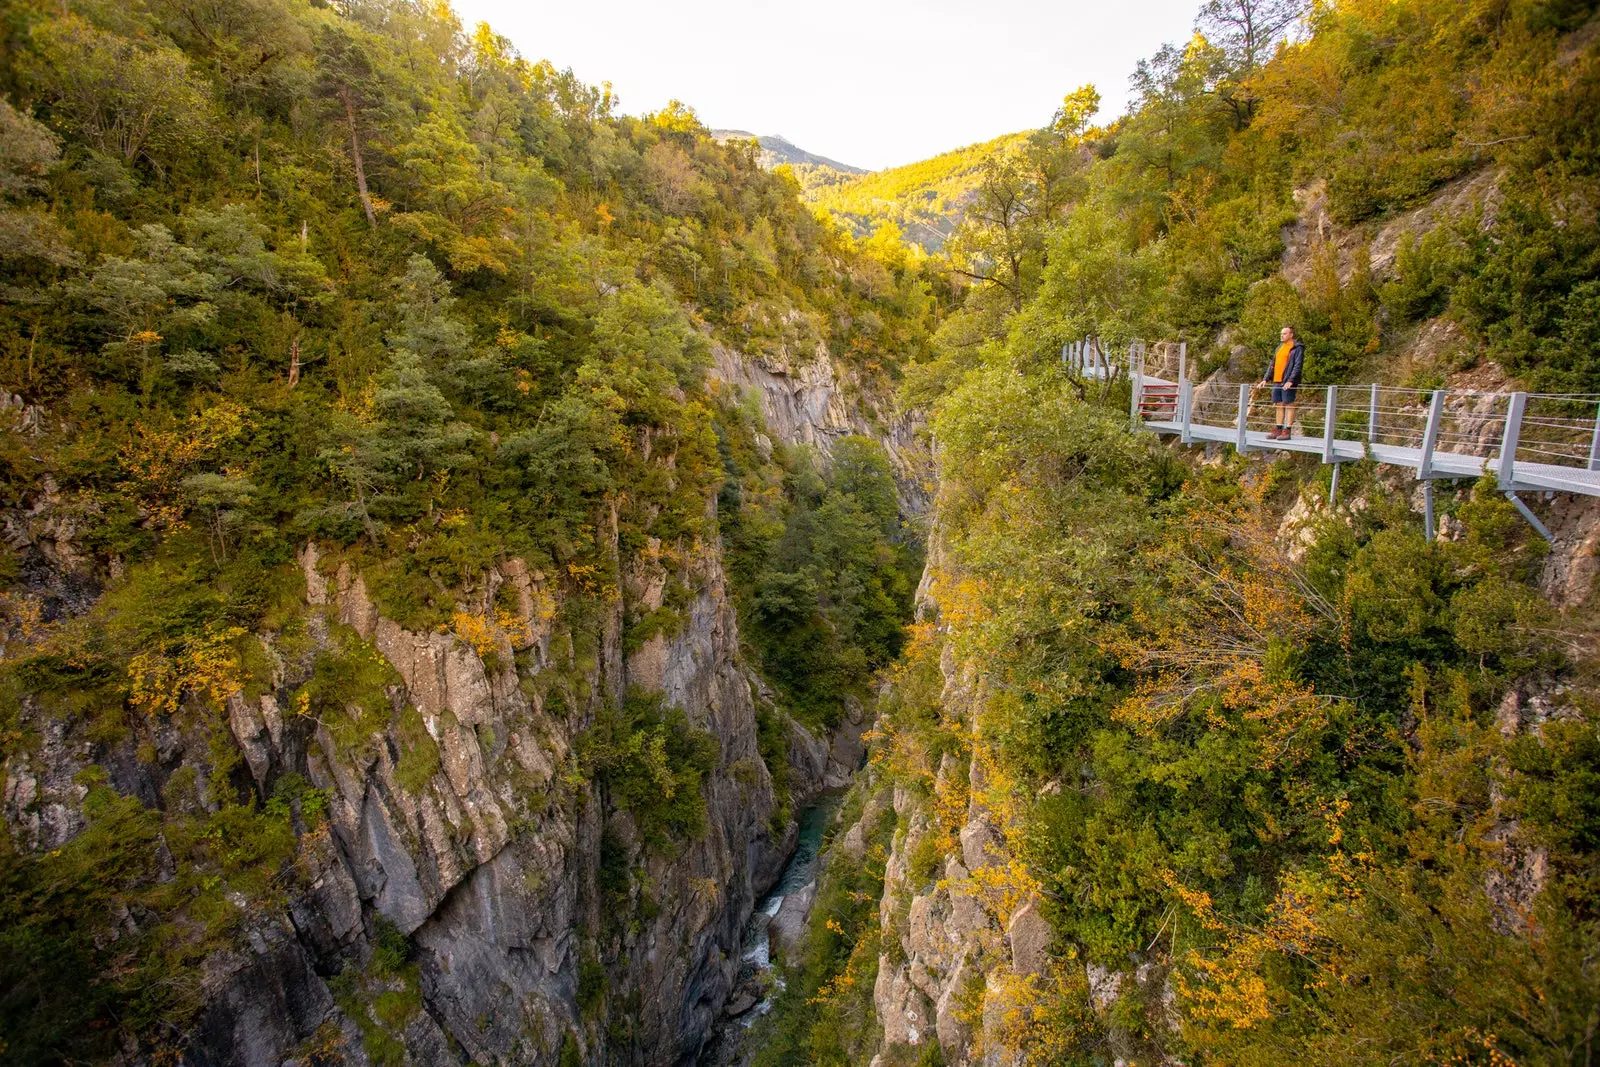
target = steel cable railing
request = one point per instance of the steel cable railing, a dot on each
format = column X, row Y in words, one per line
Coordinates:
column 1554, row 430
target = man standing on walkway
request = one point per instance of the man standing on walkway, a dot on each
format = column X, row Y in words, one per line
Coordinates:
column 1283, row 374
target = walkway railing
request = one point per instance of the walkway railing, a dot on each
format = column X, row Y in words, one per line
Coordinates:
column 1547, row 442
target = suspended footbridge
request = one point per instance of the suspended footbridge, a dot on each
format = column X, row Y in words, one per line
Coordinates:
column 1529, row 442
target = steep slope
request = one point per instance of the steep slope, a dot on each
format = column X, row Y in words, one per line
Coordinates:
column 926, row 200
column 1184, row 763
column 411, row 649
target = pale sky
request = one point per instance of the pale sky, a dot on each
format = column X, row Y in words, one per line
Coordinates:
column 873, row 83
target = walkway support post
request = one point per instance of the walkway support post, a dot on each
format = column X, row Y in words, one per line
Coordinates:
column 1135, row 387
column 1185, row 399
column 1372, row 415
column 1330, row 414
column 1427, row 511
column 1527, row 513
column 1508, row 442
column 1430, row 439
column 1243, row 442
column 1333, row 486
column 1594, row 444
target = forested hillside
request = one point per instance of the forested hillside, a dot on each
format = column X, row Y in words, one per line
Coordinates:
column 1183, row 764
column 922, row 202
column 365, row 489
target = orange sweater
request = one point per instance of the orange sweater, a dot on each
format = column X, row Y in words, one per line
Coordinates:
column 1280, row 361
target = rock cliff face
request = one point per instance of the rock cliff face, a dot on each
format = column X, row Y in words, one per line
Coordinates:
column 491, row 864
column 496, row 859
column 806, row 400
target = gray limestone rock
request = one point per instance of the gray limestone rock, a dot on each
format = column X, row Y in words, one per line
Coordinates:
column 1029, row 934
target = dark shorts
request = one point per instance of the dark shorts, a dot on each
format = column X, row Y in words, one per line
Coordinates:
column 1283, row 394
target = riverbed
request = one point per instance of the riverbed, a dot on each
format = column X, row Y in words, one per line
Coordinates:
column 756, row 970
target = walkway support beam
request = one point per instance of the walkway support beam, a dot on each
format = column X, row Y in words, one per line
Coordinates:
column 1243, row 442
column 1509, row 439
column 1329, row 417
column 1430, row 440
column 1427, row 511
column 1185, row 399
column 1594, row 444
column 1135, row 387
column 1527, row 513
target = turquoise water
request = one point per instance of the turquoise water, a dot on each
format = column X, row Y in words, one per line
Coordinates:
column 797, row 874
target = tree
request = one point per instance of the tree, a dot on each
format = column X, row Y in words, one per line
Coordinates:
column 1247, row 30
column 244, row 42
column 441, row 343
column 226, row 498
column 161, row 290
column 126, row 99
column 992, row 245
column 1078, row 108
column 346, row 76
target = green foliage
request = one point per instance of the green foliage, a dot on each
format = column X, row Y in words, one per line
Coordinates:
column 772, row 740
column 592, row 983
column 384, row 997
column 348, row 691
column 419, row 753
column 652, row 764
column 826, row 595
column 71, row 987
column 1102, row 598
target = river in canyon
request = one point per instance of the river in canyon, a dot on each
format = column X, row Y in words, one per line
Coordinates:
column 785, row 908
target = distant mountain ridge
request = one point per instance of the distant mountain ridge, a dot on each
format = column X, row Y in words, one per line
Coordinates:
column 777, row 150
column 926, row 199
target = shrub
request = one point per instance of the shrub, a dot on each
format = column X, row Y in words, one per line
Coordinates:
column 651, row 763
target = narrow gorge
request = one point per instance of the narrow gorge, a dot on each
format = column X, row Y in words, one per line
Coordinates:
column 490, row 578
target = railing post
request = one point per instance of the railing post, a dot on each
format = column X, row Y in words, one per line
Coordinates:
column 1183, row 361
column 1508, row 440
column 1372, row 415
column 1594, row 444
column 1329, row 415
column 1185, row 396
column 1430, row 437
column 1135, row 388
column 1243, row 441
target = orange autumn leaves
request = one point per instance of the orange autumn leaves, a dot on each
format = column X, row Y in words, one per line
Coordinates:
column 1223, row 651
column 156, row 461
column 1225, row 984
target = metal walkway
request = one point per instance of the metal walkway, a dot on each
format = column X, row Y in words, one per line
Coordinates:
column 1529, row 442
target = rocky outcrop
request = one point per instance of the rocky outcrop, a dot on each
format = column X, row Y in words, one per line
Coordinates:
column 491, row 864
column 806, row 398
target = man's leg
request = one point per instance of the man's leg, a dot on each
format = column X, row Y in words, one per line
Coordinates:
column 1278, row 409
column 1288, row 418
